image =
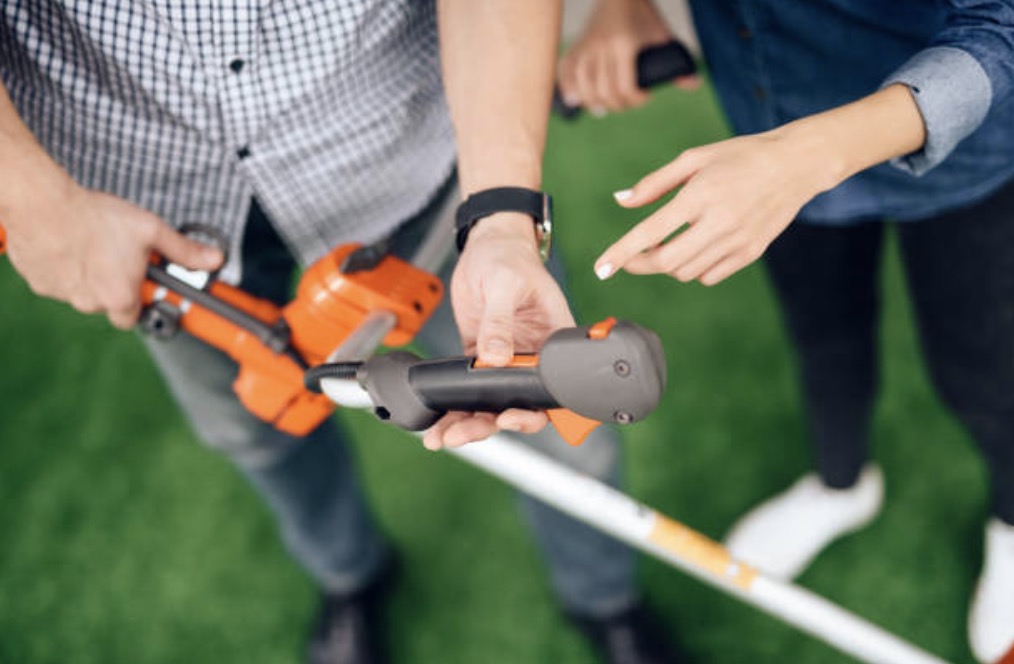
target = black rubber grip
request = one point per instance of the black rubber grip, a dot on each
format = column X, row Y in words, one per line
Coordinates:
column 655, row 65
column 445, row 385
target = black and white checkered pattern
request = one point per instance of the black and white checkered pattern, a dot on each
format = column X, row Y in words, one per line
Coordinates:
column 330, row 112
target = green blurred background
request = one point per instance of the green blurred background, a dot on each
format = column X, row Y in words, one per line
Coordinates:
column 122, row 540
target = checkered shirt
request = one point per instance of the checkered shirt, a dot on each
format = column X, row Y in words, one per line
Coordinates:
column 329, row 112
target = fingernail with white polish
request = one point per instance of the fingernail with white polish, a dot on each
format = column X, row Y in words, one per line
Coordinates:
column 604, row 271
column 572, row 100
column 598, row 111
column 623, row 195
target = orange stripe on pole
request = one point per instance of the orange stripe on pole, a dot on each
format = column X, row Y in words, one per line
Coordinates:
column 701, row 551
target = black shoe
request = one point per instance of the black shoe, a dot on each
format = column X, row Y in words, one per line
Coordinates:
column 350, row 628
column 632, row 637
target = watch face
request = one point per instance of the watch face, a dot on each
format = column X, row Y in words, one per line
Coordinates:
column 544, row 228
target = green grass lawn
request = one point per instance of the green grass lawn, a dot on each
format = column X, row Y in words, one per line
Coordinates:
column 123, row 541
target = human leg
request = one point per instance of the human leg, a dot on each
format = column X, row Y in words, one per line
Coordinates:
column 826, row 282
column 960, row 268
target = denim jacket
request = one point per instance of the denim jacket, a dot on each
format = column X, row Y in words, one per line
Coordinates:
column 773, row 61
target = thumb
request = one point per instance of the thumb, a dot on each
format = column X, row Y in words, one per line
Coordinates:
column 495, row 340
column 183, row 251
column 656, row 184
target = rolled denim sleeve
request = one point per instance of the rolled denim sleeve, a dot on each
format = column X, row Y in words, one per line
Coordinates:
column 966, row 71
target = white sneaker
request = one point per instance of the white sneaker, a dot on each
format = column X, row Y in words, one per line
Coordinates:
column 784, row 534
column 991, row 618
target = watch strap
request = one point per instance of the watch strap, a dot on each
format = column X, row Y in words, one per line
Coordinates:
column 535, row 204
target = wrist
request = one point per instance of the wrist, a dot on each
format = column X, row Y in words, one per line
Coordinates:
column 820, row 163
column 514, row 227
column 506, row 213
column 31, row 177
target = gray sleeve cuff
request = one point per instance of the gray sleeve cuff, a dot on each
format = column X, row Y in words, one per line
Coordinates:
column 953, row 93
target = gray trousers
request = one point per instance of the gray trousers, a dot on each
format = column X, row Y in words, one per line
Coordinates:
column 310, row 483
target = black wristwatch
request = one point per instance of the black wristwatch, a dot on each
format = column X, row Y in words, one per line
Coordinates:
column 536, row 204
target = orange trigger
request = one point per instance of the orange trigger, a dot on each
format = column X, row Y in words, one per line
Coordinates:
column 519, row 361
column 572, row 427
column 601, row 329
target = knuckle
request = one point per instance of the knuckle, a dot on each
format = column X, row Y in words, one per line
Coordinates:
column 681, row 276
column 754, row 251
column 121, row 300
column 690, row 155
column 83, row 304
column 40, row 288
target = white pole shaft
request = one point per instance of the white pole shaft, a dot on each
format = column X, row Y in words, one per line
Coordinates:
column 615, row 513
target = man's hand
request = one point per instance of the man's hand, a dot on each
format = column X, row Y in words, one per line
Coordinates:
column 599, row 71
column 505, row 302
column 91, row 249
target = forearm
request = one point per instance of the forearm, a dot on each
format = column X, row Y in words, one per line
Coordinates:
column 498, row 64
column 843, row 141
column 27, row 169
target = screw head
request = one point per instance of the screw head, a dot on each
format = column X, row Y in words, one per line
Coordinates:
column 622, row 368
column 623, row 417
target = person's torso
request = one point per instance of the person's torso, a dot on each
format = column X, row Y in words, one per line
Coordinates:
column 330, row 113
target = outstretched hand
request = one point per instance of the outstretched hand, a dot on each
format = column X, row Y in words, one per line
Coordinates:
column 734, row 198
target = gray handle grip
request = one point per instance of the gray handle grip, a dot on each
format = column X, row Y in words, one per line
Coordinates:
column 619, row 378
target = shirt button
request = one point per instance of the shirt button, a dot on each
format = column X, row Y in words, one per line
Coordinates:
column 237, row 65
column 243, row 152
column 760, row 93
column 744, row 32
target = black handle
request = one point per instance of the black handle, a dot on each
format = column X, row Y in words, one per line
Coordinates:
column 456, row 384
column 655, row 65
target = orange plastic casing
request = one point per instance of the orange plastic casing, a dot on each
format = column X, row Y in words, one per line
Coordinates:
column 328, row 307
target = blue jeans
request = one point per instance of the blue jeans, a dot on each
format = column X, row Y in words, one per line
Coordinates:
column 311, row 484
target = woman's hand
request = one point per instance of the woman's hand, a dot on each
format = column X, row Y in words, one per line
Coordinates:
column 736, row 197
column 599, row 71
column 739, row 194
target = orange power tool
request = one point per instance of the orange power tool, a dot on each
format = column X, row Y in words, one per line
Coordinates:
column 274, row 346
column 609, row 372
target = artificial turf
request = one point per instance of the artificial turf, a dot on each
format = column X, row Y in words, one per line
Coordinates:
column 123, row 541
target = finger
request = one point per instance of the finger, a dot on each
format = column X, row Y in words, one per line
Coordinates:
column 478, row 426
column 123, row 306
column 688, row 83
column 522, row 421
column 645, row 235
column 724, row 269
column 182, row 250
column 606, row 83
column 567, row 81
column 124, row 319
column 85, row 305
column 585, row 74
column 660, row 182
column 710, row 257
column 624, row 71
column 554, row 303
column 675, row 253
column 433, row 439
column 495, row 339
